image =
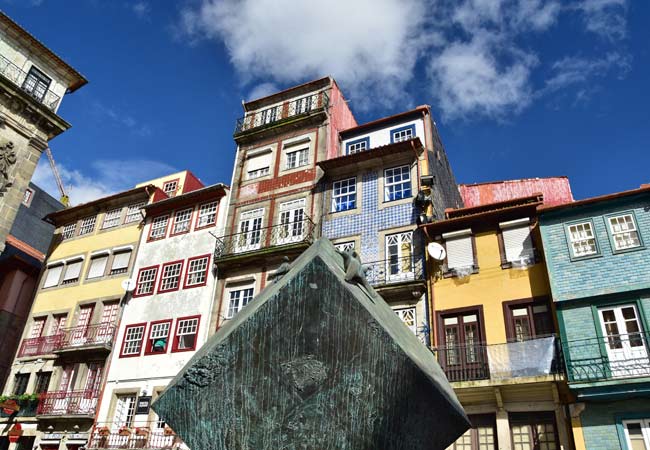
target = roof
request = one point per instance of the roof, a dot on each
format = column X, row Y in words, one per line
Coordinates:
column 80, row 79
column 643, row 189
column 375, row 123
column 556, row 190
column 189, row 197
column 277, row 96
column 376, row 152
column 64, row 215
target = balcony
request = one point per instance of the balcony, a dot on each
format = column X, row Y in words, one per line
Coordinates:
column 608, row 358
column 285, row 113
column 43, row 345
column 91, row 337
column 17, row 76
column 499, row 362
column 295, row 235
column 147, row 435
column 68, row 403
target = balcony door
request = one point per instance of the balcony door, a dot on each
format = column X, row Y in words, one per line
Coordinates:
column 107, row 322
column 463, row 353
column 399, row 256
column 625, row 342
column 80, row 331
column 292, row 221
column 250, row 231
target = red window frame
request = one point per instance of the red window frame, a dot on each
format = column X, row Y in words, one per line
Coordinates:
column 148, row 348
column 187, row 272
column 198, row 213
column 173, row 224
column 149, row 238
column 175, row 348
column 155, row 281
column 126, row 329
column 162, row 273
column 178, row 185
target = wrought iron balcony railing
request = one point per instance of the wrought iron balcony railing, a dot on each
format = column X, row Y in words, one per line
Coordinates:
column 605, row 358
column 17, row 76
column 86, row 336
column 145, row 435
column 294, row 108
column 68, row 403
column 468, row 362
column 42, row 345
column 394, row 270
column 300, row 231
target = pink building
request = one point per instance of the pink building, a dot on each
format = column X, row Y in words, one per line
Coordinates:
column 556, row 191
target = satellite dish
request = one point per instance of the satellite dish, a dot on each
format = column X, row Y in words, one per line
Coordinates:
column 128, row 285
column 436, row 251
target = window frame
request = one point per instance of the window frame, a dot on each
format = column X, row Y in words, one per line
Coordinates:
column 400, row 129
column 126, row 329
column 386, row 185
column 349, row 144
column 348, row 194
column 28, row 196
column 40, row 375
column 148, row 348
column 93, row 219
column 155, row 280
column 529, row 304
column 25, row 376
column 622, row 422
column 532, row 419
column 162, row 273
column 236, row 288
column 189, row 222
column 93, row 257
column 73, row 232
column 446, row 271
column 176, row 340
column 139, row 205
column 46, row 272
column 187, row 271
column 505, row 264
column 40, row 77
column 63, row 281
column 177, row 181
column 119, row 219
column 610, row 233
column 164, row 235
column 298, row 159
column 197, row 226
column 569, row 242
column 120, row 251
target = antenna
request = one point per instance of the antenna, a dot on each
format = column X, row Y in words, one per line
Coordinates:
column 129, row 284
column 436, row 251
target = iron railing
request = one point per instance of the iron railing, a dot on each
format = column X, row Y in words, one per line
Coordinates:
column 394, row 270
column 611, row 357
column 42, row 345
column 17, row 76
column 468, row 362
column 283, row 111
column 143, row 435
column 68, row 403
column 86, row 336
column 300, row 231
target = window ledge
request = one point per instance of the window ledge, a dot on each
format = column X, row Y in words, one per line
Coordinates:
column 629, row 250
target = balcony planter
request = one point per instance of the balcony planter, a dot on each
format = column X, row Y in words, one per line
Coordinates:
column 168, row 431
column 124, row 431
column 103, row 431
column 142, row 431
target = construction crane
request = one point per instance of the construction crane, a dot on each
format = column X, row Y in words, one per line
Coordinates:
column 64, row 197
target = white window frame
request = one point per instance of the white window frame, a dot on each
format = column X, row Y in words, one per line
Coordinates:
column 135, row 337
column 87, row 225
column 185, row 216
column 170, row 272
column 517, row 237
column 582, row 241
column 358, row 146
column 631, row 231
column 68, row 230
column 297, row 158
column 207, row 214
column 118, row 255
column 70, row 268
column 97, row 258
column 197, row 267
column 397, row 186
column 112, row 218
column 150, row 273
column 258, row 173
column 463, row 263
column 28, row 197
column 133, row 213
column 170, row 192
column 645, row 431
column 58, row 270
column 238, row 298
column 345, row 246
column 158, row 229
column 186, row 327
column 347, row 188
column 159, row 330
column 402, row 312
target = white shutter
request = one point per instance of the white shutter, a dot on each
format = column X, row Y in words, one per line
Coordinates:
column 258, row 161
column 73, row 270
column 97, row 266
column 121, row 260
column 53, row 276
column 460, row 252
column 517, row 240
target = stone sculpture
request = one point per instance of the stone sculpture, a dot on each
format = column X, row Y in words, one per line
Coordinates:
column 7, row 159
column 313, row 363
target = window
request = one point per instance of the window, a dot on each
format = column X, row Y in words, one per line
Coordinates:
column 171, row 275
column 533, row 432
column 625, row 341
column 170, row 188
column 27, row 197
column 517, row 243
column 158, row 228
column 37, row 327
column 407, row 315
column 258, row 164
column 197, row 271
column 182, row 221
column 582, row 239
column 460, row 252
column 72, row 271
column 258, row 173
column 345, row 246
column 68, row 230
column 158, row 337
column 344, row 195
column 297, row 158
column 397, row 183
column 399, row 256
column 146, row 281
column 133, row 213
column 97, row 265
column 112, row 218
column 87, row 225
column 463, row 354
column 292, row 221
column 121, row 260
column 238, row 299
column 268, row 115
column 42, row 382
column 124, row 410
column 58, row 324
column 132, row 344
column 357, row 146
column 207, row 215
column 481, row 436
column 250, row 233
column 20, row 383
column 402, row 133
column 186, row 330
column 624, row 232
column 529, row 320
column 637, row 434
column 36, row 83
column 53, row 275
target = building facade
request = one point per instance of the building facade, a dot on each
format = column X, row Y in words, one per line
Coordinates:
column 493, row 326
column 389, row 174
column 33, row 81
column 58, row 370
column 165, row 319
column 556, row 191
column 599, row 269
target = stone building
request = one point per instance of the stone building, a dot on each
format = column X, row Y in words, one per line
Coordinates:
column 33, row 81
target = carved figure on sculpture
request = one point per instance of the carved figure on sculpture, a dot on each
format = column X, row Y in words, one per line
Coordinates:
column 354, row 271
column 282, row 270
column 7, row 159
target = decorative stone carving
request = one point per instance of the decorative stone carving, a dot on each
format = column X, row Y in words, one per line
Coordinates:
column 7, row 159
column 354, row 271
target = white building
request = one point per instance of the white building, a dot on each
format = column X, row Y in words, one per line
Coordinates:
column 166, row 318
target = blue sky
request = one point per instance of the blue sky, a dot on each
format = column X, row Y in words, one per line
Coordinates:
column 519, row 88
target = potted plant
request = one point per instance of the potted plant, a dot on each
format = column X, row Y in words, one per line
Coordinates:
column 124, row 431
column 168, row 431
column 103, row 431
column 142, row 431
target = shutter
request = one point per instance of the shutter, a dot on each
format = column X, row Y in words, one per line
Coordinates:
column 518, row 243
column 459, row 252
column 97, row 266
column 121, row 260
column 258, row 162
column 73, row 270
column 53, row 276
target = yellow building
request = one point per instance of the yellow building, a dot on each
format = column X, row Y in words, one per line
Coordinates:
column 493, row 326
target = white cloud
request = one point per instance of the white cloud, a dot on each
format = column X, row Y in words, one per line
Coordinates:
column 606, row 18
column 141, row 9
column 105, row 177
column 120, row 118
column 262, row 90
column 576, row 69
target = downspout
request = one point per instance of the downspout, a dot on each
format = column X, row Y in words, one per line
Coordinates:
column 428, row 310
